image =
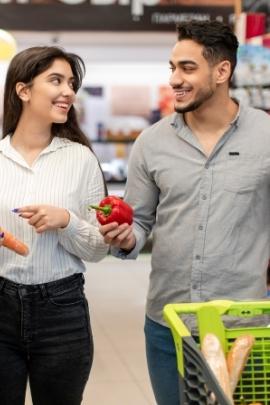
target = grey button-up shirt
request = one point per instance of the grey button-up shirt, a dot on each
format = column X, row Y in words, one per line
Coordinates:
column 210, row 215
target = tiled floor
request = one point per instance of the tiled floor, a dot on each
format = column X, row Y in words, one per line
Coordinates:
column 116, row 291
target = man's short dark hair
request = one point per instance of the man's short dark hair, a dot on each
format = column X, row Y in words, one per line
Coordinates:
column 218, row 40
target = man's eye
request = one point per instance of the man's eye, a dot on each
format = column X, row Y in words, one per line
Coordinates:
column 172, row 68
column 189, row 68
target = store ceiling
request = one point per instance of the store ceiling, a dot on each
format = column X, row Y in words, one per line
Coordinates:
column 104, row 46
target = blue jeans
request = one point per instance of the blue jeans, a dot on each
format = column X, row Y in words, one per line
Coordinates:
column 162, row 364
column 45, row 336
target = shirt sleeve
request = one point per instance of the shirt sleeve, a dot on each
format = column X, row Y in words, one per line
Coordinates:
column 142, row 194
column 82, row 237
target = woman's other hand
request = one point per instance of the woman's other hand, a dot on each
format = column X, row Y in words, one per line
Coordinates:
column 44, row 217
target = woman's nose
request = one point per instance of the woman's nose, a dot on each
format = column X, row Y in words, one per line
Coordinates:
column 67, row 90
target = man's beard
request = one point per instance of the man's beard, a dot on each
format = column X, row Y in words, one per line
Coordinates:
column 203, row 96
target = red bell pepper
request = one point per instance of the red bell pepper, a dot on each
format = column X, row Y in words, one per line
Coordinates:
column 113, row 209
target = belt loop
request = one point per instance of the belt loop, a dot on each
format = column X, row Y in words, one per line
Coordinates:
column 43, row 291
column 2, row 283
column 82, row 279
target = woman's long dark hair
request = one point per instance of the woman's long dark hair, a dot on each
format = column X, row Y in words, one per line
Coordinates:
column 24, row 67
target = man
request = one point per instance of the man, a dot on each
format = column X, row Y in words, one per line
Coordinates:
column 199, row 180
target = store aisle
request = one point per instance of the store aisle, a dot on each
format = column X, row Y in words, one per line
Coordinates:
column 116, row 291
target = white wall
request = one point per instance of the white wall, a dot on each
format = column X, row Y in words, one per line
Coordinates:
column 118, row 58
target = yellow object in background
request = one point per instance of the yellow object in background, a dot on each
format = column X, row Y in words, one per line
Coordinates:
column 8, row 46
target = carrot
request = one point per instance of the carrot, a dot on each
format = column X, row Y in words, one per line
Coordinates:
column 237, row 358
column 14, row 244
column 214, row 355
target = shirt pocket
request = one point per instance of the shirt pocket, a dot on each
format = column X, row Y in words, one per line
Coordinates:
column 242, row 174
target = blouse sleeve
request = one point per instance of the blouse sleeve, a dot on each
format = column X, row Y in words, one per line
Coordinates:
column 82, row 237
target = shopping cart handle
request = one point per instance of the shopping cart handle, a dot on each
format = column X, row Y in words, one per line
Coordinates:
column 222, row 306
column 171, row 314
column 173, row 320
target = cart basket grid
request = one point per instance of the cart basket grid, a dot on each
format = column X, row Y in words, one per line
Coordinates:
column 198, row 385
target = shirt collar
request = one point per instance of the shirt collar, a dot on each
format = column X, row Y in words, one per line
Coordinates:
column 56, row 143
column 5, row 144
column 240, row 113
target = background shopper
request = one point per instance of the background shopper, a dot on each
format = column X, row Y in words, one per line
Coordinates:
column 48, row 178
column 199, row 180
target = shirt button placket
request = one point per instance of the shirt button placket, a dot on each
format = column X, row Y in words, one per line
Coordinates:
column 205, row 189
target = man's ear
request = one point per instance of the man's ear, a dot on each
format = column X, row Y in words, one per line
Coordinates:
column 223, row 72
column 22, row 91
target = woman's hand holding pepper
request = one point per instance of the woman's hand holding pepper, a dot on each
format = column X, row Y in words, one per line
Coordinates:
column 44, row 217
column 120, row 236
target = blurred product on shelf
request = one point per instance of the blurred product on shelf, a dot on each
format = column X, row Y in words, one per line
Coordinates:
column 253, row 66
column 166, row 100
column 114, row 163
column 124, row 128
column 121, row 135
column 114, row 116
column 255, row 24
column 252, row 76
column 93, row 111
column 258, row 6
column 127, row 100
column 116, row 169
column 266, row 40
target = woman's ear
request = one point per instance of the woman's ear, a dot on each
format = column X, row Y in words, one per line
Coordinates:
column 22, row 91
column 223, row 72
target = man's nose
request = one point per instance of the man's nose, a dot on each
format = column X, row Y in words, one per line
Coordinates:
column 176, row 78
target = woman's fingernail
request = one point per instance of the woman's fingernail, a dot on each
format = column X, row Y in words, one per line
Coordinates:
column 15, row 210
column 2, row 234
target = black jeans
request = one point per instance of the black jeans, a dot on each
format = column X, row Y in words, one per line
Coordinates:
column 45, row 335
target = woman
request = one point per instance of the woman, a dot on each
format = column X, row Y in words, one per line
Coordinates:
column 49, row 176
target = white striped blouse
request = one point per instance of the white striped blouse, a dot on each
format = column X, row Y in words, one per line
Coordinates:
column 67, row 175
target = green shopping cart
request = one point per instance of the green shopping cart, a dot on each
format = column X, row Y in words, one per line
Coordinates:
column 197, row 382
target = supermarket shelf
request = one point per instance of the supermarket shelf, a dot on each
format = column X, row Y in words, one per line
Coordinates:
column 116, row 188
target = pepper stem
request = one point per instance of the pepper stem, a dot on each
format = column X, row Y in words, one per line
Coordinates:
column 106, row 209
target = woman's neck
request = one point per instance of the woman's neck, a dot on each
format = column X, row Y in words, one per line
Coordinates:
column 31, row 136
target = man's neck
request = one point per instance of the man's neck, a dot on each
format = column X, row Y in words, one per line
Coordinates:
column 209, row 123
column 212, row 117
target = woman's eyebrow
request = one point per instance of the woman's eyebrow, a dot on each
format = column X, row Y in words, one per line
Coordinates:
column 60, row 75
